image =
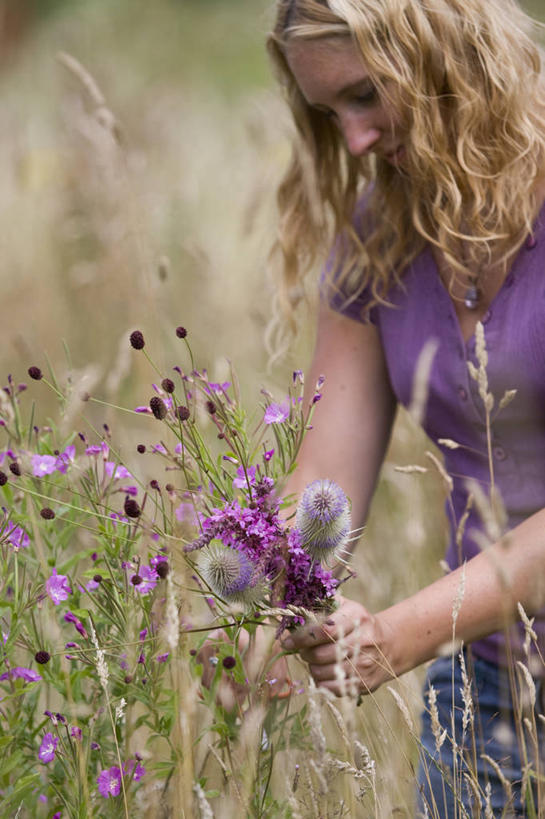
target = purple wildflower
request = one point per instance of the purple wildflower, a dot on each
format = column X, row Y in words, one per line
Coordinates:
column 26, row 674
column 244, row 478
column 100, row 449
column 15, row 535
column 109, row 782
column 268, row 455
column 43, row 465
column 71, row 618
column 162, row 658
column 148, row 580
column 116, row 471
column 75, row 732
column 47, row 748
column 277, row 413
column 57, row 587
column 65, row 459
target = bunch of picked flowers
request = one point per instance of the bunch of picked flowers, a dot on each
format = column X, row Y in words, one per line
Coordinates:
column 245, row 555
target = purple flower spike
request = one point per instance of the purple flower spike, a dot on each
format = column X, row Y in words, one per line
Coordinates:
column 47, row 748
column 109, row 782
column 277, row 413
column 57, row 587
column 323, row 518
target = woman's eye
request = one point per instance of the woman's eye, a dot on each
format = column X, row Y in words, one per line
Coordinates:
column 368, row 98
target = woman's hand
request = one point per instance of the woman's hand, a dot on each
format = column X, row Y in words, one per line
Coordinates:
column 350, row 653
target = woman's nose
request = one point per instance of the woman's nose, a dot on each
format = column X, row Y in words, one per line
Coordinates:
column 359, row 136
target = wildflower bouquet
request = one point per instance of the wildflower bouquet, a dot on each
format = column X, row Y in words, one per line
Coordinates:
column 101, row 571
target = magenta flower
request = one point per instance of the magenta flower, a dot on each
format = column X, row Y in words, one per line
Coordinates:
column 57, row 587
column 162, row 658
column 109, row 782
column 268, row 455
column 75, row 732
column 47, row 748
column 135, row 768
column 116, row 471
column 65, row 459
column 277, row 413
column 71, row 618
column 15, row 535
column 43, row 465
column 149, row 579
column 240, row 481
column 26, row 674
column 99, row 449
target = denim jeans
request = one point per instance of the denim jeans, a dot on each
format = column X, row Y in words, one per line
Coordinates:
column 494, row 734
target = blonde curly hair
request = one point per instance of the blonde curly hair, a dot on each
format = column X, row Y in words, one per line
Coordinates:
column 467, row 76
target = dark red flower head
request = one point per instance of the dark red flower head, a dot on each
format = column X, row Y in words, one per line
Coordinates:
column 183, row 413
column 181, row 332
column 137, row 340
column 35, row 373
column 47, row 513
column 131, row 507
column 42, row 657
column 158, row 407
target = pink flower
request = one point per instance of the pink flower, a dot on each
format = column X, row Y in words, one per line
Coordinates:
column 241, row 482
column 66, row 458
column 116, row 471
column 47, row 748
column 26, row 674
column 71, row 618
column 109, row 782
column 149, row 579
column 15, row 535
column 57, row 587
column 277, row 413
column 43, row 465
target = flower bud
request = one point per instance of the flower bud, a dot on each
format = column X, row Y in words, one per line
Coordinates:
column 35, row 373
column 137, row 340
column 181, row 332
column 158, row 407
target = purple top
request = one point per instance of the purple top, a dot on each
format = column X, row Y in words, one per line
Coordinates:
column 514, row 329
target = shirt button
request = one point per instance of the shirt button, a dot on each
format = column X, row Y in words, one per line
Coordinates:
column 531, row 242
column 499, row 453
column 462, row 392
column 487, row 316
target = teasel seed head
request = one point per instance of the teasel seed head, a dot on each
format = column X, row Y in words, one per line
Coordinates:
column 231, row 574
column 323, row 518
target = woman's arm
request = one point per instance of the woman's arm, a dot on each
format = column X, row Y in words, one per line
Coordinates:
column 353, row 421
column 485, row 592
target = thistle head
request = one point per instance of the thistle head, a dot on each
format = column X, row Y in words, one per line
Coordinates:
column 323, row 518
column 230, row 573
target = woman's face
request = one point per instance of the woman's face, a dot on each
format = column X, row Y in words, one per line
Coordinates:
column 333, row 79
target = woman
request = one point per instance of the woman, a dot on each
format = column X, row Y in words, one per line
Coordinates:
column 421, row 142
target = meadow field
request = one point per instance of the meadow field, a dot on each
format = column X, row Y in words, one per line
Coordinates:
column 140, row 149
